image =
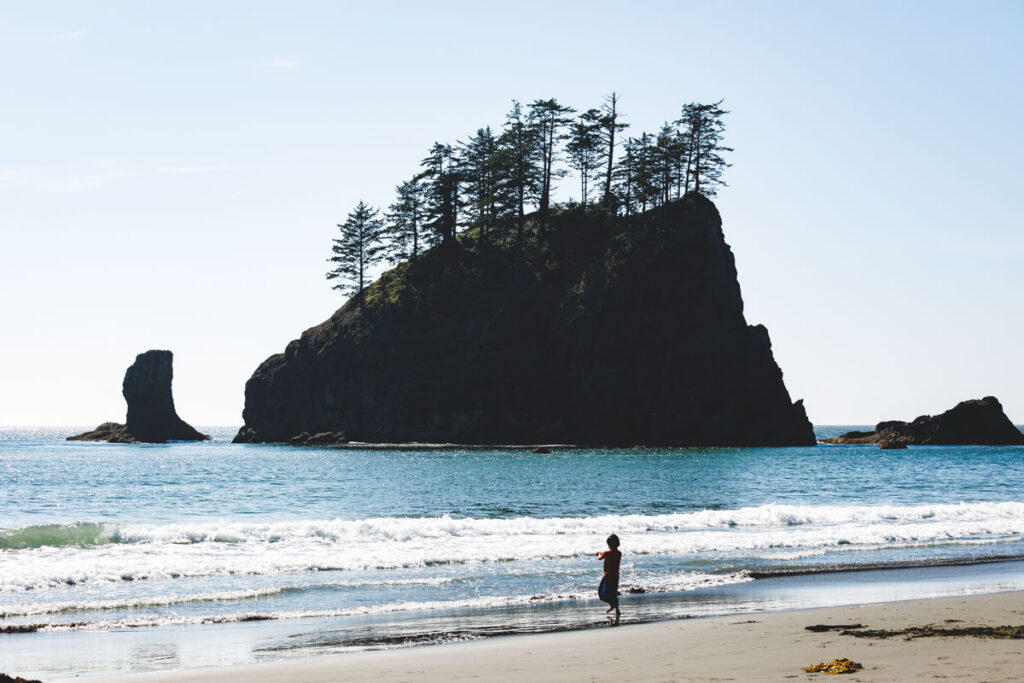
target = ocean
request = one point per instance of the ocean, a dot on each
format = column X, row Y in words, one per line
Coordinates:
column 142, row 557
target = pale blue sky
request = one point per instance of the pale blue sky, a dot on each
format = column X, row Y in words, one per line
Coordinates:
column 171, row 175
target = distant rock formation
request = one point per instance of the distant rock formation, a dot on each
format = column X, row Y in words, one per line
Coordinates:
column 977, row 422
column 4, row 678
column 151, row 415
column 599, row 330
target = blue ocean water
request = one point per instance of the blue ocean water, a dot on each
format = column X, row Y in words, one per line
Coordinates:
column 275, row 550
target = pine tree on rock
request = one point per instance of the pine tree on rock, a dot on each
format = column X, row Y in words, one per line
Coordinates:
column 519, row 181
column 625, row 176
column 645, row 187
column 480, row 170
column 703, row 129
column 441, row 177
column 405, row 222
column 666, row 155
column 611, row 124
column 356, row 250
column 584, row 150
column 550, row 119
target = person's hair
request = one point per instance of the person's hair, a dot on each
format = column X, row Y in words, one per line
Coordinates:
column 613, row 541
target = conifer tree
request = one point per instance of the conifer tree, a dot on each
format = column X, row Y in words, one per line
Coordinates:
column 625, row 175
column 405, row 222
column 480, row 171
column 356, row 250
column 665, row 157
column 550, row 119
column 519, row 181
column 584, row 149
column 610, row 125
column 645, row 189
column 703, row 129
column 441, row 177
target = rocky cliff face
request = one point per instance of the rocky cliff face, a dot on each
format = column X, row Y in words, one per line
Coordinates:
column 151, row 415
column 627, row 332
column 980, row 422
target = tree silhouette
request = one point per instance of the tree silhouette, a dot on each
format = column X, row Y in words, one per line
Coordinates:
column 665, row 158
column 550, row 120
column 441, row 175
column 356, row 250
column 480, row 169
column 405, row 222
column 645, row 187
column 520, row 175
column 703, row 129
column 584, row 149
column 610, row 125
column 625, row 171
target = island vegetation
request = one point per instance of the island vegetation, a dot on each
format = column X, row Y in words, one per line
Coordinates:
column 491, row 182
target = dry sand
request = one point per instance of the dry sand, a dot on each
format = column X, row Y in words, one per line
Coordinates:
column 758, row 647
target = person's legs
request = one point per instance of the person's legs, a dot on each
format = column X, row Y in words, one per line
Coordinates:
column 613, row 595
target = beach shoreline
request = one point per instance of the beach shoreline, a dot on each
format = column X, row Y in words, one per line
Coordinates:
column 762, row 646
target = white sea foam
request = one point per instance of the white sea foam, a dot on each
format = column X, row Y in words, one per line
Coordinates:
column 141, row 552
column 143, row 601
column 684, row 581
column 678, row 582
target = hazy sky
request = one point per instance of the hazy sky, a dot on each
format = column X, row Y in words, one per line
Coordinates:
column 171, row 175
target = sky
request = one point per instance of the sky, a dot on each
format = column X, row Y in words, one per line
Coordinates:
column 172, row 174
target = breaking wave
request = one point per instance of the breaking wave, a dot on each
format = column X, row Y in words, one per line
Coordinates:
column 91, row 553
column 682, row 582
column 84, row 534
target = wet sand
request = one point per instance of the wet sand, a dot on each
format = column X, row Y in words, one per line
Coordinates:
column 949, row 638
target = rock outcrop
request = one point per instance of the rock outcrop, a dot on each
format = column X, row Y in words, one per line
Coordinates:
column 977, row 422
column 4, row 678
column 151, row 416
column 597, row 331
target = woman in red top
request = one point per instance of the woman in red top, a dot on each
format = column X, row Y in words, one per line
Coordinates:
column 609, row 588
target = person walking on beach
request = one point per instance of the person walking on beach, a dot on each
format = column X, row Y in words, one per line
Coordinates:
column 608, row 591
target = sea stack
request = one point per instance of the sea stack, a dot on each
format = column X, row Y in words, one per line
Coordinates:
column 583, row 329
column 151, row 415
column 978, row 422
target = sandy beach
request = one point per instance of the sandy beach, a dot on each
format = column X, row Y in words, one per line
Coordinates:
column 759, row 647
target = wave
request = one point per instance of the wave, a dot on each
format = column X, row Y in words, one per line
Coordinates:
column 893, row 564
column 76, row 535
column 38, row 608
column 85, row 534
column 682, row 582
column 141, row 552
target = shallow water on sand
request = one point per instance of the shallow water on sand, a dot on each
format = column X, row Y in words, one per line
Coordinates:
column 274, row 550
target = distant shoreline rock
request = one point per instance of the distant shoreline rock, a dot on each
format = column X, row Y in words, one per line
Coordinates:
column 151, row 416
column 979, row 422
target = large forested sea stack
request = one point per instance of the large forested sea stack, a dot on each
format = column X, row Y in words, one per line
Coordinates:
column 600, row 330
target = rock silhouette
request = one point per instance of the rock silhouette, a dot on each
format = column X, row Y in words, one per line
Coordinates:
column 975, row 422
column 626, row 331
column 151, row 416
